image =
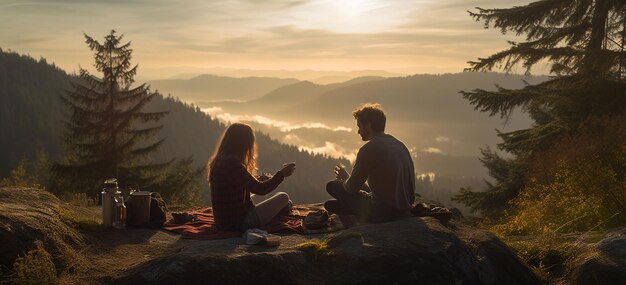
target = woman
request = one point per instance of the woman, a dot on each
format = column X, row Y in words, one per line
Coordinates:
column 232, row 178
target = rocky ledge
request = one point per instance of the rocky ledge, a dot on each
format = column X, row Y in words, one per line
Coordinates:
column 414, row 250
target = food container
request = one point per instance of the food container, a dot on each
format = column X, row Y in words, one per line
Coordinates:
column 138, row 207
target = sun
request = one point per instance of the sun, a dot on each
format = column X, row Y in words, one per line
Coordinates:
column 351, row 9
column 349, row 16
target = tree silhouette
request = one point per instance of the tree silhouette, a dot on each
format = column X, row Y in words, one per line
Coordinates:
column 583, row 43
column 107, row 134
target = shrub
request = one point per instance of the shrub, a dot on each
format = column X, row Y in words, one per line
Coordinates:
column 578, row 184
column 584, row 194
column 545, row 254
column 36, row 267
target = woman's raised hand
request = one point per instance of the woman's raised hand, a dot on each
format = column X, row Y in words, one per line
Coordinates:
column 288, row 169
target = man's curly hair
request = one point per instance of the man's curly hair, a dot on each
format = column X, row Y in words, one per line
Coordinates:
column 371, row 113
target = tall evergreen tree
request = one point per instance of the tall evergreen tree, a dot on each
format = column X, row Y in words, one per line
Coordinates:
column 107, row 134
column 583, row 41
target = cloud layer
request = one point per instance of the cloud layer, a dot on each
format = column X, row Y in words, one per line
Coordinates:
column 411, row 35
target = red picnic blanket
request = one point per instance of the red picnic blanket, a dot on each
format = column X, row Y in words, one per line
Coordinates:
column 203, row 226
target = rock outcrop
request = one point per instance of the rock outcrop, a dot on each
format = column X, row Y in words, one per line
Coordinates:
column 601, row 263
column 28, row 215
column 414, row 250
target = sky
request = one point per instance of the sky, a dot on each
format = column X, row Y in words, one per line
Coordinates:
column 402, row 36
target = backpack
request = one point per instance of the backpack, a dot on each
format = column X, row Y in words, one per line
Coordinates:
column 158, row 211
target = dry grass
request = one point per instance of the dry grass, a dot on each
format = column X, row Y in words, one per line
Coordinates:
column 72, row 246
column 76, row 220
column 35, row 267
column 81, row 199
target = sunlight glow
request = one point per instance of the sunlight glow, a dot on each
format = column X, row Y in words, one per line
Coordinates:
column 348, row 16
column 351, row 9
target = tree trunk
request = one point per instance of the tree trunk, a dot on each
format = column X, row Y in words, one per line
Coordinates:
column 598, row 33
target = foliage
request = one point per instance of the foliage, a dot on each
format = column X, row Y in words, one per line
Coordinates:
column 574, row 36
column 508, row 175
column 584, row 194
column 545, row 254
column 29, row 108
column 577, row 185
column 80, row 199
column 102, row 137
column 109, row 133
column 316, row 247
column 581, row 40
column 35, row 267
column 35, row 175
column 180, row 185
column 18, row 177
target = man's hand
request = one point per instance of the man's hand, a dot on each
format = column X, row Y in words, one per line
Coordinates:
column 288, row 169
column 341, row 173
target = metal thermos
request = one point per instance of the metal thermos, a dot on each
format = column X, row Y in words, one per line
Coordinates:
column 109, row 192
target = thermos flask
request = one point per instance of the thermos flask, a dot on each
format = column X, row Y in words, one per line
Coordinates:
column 109, row 192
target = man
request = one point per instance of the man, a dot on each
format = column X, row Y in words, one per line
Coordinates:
column 385, row 163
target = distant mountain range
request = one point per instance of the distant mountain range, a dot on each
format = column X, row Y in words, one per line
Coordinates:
column 425, row 110
column 217, row 88
column 316, row 76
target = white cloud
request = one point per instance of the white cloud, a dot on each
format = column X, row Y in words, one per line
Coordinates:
column 212, row 111
column 419, row 35
column 283, row 126
column 292, row 139
column 433, row 150
column 331, row 149
column 442, row 139
column 340, row 128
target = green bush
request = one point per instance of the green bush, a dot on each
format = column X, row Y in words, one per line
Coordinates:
column 584, row 194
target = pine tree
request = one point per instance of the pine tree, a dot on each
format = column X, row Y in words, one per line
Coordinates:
column 583, row 43
column 107, row 134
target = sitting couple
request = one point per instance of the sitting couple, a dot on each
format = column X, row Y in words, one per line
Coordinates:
column 384, row 162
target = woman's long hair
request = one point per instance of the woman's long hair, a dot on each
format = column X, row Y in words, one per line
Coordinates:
column 238, row 140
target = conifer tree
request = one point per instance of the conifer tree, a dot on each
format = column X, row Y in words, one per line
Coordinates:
column 108, row 134
column 583, row 42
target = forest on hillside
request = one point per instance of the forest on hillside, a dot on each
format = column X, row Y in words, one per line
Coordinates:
column 32, row 115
